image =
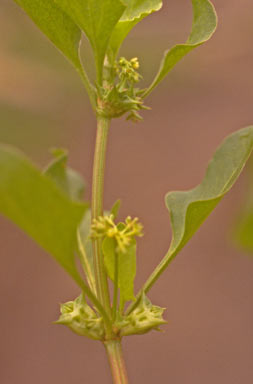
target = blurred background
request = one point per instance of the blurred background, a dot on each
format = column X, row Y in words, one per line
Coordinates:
column 208, row 289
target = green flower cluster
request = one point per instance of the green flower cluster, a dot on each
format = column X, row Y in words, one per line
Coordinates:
column 119, row 95
column 126, row 72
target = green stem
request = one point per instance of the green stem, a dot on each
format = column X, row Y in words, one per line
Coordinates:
column 113, row 347
column 116, row 287
column 117, row 364
column 97, row 210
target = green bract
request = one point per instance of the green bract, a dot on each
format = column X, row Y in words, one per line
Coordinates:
column 126, row 268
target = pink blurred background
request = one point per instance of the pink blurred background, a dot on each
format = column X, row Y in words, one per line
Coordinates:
column 208, row 289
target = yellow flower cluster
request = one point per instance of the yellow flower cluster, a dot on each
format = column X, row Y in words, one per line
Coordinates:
column 123, row 233
column 126, row 70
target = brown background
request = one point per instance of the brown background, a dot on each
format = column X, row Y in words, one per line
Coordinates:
column 208, row 288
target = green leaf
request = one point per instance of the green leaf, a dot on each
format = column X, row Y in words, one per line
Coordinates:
column 97, row 18
column 115, row 208
column 36, row 204
column 67, row 179
column 57, row 26
column 204, row 25
column 126, row 267
column 72, row 184
column 136, row 11
column 189, row 209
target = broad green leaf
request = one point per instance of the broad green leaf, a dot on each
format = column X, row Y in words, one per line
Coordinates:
column 189, row 209
column 36, row 204
column 126, row 267
column 136, row 11
column 57, row 26
column 97, row 18
column 67, row 179
column 204, row 25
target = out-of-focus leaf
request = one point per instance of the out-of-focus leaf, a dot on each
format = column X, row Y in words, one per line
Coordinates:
column 126, row 267
column 35, row 203
column 97, row 18
column 57, row 26
column 72, row 183
column 242, row 232
column 189, row 209
column 204, row 25
column 136, row 11
column 67, row 179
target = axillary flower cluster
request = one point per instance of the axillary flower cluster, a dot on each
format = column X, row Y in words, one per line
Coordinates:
column 127, row 71
column 119, row 94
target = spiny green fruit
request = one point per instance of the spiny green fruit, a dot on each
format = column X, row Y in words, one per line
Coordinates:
column 144, row 318
column 81, row 319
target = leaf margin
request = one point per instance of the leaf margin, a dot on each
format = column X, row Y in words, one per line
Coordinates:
column 190, row 44
column 124, row 27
